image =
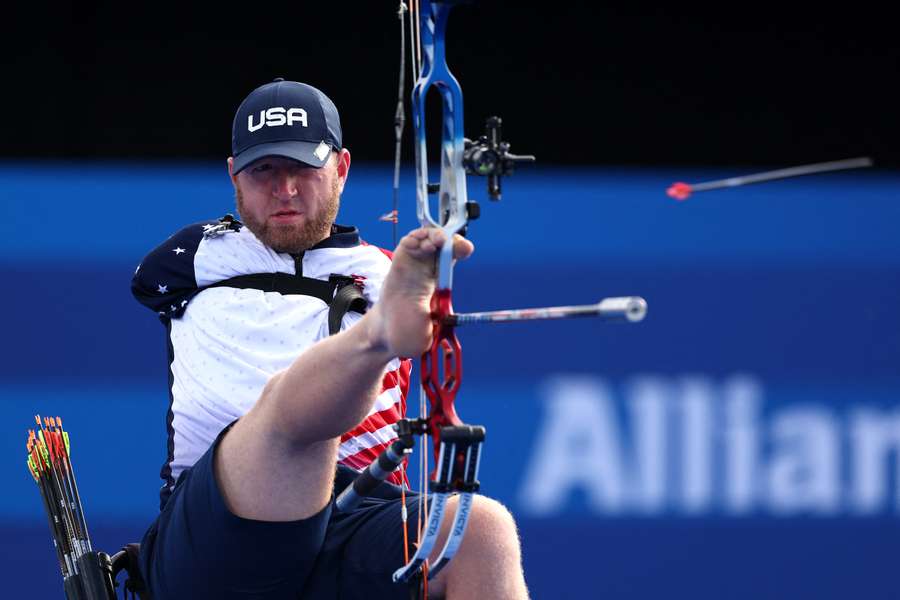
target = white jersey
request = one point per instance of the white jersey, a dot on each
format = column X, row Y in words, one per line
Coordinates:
column 226, row 342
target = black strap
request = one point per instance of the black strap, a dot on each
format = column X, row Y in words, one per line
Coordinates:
column 340, row 292
column 348, row 297
column 283, row 283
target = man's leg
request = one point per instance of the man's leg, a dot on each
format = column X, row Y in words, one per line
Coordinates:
column 197, row 548
column 364, row 547
column 489, row 561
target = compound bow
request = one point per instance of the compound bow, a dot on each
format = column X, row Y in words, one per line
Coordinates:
column 457, row 446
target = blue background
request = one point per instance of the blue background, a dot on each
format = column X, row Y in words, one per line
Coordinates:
column 792, row 286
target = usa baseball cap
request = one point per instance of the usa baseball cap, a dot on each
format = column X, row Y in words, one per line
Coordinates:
column 287, row 119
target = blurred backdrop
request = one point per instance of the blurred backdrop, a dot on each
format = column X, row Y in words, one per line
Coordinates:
column 741, row 442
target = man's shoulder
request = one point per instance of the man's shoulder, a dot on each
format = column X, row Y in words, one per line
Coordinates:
column 166, row 277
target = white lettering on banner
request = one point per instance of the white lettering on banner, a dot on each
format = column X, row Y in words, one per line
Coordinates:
column 875, row 436
column 805, row 468
column 579, row 448
column 692, row 445
column 277, row 116
column 648, row 413
column 696, row 447
column 741, row 439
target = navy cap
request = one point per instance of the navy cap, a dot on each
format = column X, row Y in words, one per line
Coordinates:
column 287, row 119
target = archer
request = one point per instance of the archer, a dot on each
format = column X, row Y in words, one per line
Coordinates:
column 265, row 401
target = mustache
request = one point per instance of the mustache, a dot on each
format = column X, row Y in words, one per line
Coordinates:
column 291, row 237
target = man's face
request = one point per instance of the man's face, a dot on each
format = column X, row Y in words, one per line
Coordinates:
column 290, row 206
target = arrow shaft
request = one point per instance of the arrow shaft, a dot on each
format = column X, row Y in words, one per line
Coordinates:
column 834, row 165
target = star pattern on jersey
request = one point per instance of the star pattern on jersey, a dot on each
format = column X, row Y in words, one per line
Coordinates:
column 178, row 250
column 162, row 289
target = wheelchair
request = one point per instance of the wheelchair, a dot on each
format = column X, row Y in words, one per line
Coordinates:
column 98, row 574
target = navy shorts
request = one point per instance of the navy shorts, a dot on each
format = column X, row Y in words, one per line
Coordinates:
column 197, row 548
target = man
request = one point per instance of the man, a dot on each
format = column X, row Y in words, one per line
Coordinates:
column 265, row 401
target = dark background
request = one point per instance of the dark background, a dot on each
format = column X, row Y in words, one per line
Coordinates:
column 576, row 82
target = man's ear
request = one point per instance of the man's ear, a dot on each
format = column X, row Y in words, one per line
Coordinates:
column 343, row 165
column 231, row 174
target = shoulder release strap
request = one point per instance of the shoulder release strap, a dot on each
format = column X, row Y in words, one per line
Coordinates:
column 341, row 292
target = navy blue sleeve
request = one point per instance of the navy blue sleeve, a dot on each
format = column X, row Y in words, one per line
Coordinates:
column 165, row 282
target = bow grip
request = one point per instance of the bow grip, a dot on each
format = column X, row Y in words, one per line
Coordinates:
column 441, row 366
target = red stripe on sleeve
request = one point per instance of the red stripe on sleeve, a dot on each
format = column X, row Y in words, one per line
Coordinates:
column 391, row 380
column 374, row 422
column 398, row 378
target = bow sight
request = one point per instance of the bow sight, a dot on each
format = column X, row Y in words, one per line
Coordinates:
column 490, row 157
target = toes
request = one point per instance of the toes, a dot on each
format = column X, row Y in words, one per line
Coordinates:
column 428, row 240
column 462, row 248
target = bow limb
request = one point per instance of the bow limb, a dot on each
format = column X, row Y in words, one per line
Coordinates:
column 452, row 217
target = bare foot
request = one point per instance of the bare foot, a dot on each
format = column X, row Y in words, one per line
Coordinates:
column 406, row 296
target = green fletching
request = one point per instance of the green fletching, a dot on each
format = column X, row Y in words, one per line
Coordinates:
column 44, row 453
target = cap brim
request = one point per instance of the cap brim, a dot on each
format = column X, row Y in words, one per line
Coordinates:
column 304, row 152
